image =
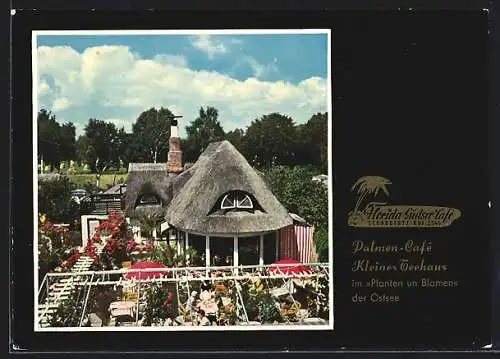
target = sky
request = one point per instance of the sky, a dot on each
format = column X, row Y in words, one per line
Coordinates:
column 244, row 76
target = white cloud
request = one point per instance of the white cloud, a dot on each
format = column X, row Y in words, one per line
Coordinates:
column 175, row 60
column 261, row 70
column 61, row 104
column 110, row 82
column 120, row 122
column 209, row 45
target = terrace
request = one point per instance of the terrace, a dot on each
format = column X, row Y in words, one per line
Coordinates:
column 284, row 294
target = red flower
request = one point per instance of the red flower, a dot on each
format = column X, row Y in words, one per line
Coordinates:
column 131, row 245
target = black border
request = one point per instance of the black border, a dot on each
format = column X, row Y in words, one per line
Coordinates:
column 495, row 165
column 494, row 94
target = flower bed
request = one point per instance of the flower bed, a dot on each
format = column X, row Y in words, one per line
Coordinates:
column 116, row 237
column 56, row 247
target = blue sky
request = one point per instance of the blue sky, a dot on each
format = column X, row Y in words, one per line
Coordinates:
column 115, row 77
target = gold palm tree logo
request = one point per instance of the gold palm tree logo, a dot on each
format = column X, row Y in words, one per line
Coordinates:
column 377, row 214
column 369, row 185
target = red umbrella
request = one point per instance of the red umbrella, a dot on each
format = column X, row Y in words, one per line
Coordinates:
column 148, row 274
column 289, row 269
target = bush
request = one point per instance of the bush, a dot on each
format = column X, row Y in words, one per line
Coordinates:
column 118, row 238
column 321, row 242
column 295, row 189
column 55, row 245
column 161, row 303
column 54, row 200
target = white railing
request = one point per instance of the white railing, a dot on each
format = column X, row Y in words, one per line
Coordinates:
column 185, row 274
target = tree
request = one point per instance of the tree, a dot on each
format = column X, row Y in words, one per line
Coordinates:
column 205, row 129
column 82, row 144
column 270, row 140
column 313, row 141
column 67, row 141
column 99, row 147
column 151, row 133
column 237, row 139
column 123, row 145
column 54, row 200
column 295, row 189
column 56, row 143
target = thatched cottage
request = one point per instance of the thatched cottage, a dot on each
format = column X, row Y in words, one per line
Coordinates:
column 220, row 206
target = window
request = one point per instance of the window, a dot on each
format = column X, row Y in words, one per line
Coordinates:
column 149, row 199
column 236, row 200
column 248, row 250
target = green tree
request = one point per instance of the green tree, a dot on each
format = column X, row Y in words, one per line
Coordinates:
column 123, row 143
column 295, row 189
column 151, row 134
column 100, row 147
column 67, row 141
column 54, row 200
column 205, row 129
column 237, row 138
column 56, row 142
column 270, row 140
column 314, row 141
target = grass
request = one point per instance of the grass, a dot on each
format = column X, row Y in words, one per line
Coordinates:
column 83, row 180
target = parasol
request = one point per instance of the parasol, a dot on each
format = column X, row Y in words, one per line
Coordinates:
column 148, row 274
column 289, row 269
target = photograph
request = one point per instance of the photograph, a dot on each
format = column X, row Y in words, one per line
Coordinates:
column 182, row 180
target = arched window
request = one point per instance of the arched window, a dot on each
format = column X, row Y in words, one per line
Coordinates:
column 236, row 200
column 148, row 199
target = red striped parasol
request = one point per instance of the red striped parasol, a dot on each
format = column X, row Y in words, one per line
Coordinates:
column 289, row 269
column 148, row 274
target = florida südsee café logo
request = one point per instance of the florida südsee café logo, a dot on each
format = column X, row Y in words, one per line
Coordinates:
column 369, row 213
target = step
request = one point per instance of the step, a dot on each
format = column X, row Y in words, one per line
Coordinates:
column 58, row 285
column 62, row 289
column 60, row 294
column 48, row 311
column 49, row 305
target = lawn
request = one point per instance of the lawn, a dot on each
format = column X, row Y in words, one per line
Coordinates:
column 81, row 180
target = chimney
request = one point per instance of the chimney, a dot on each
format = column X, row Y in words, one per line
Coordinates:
column 174, row 162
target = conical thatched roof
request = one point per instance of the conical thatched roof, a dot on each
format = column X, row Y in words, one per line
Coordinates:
column 221, row 169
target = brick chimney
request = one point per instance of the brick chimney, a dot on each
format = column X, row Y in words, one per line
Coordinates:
column 174, row 162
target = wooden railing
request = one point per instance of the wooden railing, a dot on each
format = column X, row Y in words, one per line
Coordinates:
column 104, row 203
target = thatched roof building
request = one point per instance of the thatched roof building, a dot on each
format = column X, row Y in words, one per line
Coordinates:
column 192, row 200
column 147, row 186
column 222, row 172
column 220, row 206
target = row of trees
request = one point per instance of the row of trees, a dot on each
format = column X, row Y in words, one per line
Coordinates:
column 272, row 139
column 56, row 142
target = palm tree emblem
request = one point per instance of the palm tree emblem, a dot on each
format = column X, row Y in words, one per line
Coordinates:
column 364, row 186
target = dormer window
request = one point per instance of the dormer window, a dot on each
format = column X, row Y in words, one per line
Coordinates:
column 148, row 199
column 236, row 200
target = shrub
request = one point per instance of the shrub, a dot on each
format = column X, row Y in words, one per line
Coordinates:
column 54, row 200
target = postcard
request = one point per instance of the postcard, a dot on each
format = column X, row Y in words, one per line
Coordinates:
column 182, row 180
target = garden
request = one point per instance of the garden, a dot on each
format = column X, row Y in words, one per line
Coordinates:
column 116, row 281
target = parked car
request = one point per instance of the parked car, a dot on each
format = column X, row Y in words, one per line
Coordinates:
column 79, row 194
